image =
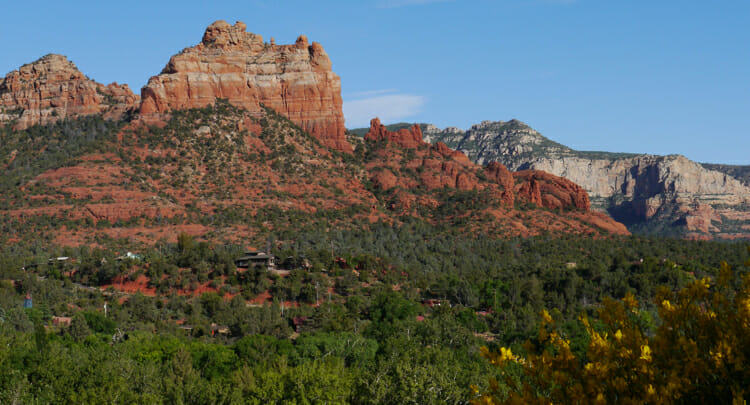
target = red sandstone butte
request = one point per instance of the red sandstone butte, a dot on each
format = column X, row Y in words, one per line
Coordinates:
column 52, row 88
column 295, row 80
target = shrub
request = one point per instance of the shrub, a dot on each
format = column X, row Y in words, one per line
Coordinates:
column 698, row 354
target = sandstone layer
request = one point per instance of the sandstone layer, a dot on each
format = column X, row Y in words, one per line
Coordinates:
column 295, row 80
column 52, row 88
column 669, row 194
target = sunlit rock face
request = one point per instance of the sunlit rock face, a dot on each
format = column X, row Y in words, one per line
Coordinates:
column 295, row 80
column 52, row 88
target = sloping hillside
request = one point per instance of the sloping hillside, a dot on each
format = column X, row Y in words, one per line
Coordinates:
column 229, row 175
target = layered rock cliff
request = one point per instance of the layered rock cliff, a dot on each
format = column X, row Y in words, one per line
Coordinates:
column 230, row 63
column 52, row 88
column 655, row 194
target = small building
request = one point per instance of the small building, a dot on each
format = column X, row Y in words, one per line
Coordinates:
column 61, row 320
column 299, row 323
column 129, row 255
column 220, row 329
column 434, row 302
column 255, row 259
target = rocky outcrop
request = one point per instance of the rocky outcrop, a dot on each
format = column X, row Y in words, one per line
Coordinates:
column 404, row 166
column 550, row 191
column 409, row 138
column 500, row 174
column 230, row 63
column 653, row 193
column 52, row 88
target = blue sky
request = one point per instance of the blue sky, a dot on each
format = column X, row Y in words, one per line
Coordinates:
column 629, row 76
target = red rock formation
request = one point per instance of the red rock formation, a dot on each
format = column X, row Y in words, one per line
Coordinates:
column 52, row 88
column 408, row 138
column 501, row 175
column 385, row 180
column 531, row 191
column 550, row 191
column 445, row 151
column 295, row 80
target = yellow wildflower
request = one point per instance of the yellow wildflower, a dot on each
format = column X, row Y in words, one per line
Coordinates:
column 630, row 301
column 618, row 335
column 598, row 340
column 505, row 355
column 645, row 353
column 546, row 316
column 667, row 305
column 717, row 356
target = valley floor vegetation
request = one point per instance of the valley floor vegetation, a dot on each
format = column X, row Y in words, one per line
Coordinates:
column 402, row 314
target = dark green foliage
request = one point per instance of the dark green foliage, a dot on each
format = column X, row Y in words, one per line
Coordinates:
column 79, row 329
column 27, row 153
column 98, row 323
column 374, row 345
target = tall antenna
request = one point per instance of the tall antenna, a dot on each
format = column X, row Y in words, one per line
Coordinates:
column 317, row 300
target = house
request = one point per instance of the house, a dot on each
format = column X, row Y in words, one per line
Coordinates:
column 256, row 258
column 220, row 329
column 61, row 320
column 129, row 255
column 299, row 323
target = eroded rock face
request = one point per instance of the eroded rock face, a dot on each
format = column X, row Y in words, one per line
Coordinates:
column 502, row 176
column 551, row 191
column 295, row 80
column 402, row 163
column 52, row 88
column 635, row 188
column 409, row 138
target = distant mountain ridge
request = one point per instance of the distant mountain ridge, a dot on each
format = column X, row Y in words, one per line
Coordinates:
column 664, row 195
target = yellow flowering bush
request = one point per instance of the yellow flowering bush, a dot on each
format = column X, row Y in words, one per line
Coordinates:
column 699, row 353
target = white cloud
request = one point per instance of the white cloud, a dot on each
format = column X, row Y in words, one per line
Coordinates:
column 389, row 108
column 372, row 93
column 403, row 3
